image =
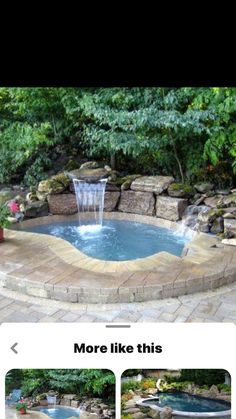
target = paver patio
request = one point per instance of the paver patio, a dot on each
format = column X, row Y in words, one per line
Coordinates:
column 210, row 306
column 44, row 279
column 49, row 267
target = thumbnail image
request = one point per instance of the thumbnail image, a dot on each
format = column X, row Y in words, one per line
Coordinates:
column 60, row 394
column 181, row 393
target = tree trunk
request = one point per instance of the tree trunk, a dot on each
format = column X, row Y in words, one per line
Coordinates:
column 179, row 163
column 113, row 161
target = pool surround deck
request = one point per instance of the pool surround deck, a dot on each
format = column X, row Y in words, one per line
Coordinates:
column 49, row 267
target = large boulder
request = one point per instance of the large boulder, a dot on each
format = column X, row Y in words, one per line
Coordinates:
column 166, row 413
column 139, row 415
column 111, row 200
column 222, row 191
column 221, row 201
column 204, row 187
column 203, row 227
column 213, row 201
column 42, row 196
column 198, row 199
column 111, row 187
column 214, row 392
column 89, row 175
column 54, row 185
column 228, row 201
column 170, row 208
column 74, row 403
column 36, row 209
column 6, row 195
column 155, row 184
column 230, row 210
column 137, row 202
column 180, row 190
column 127, row 180
column 113, row 176
column 31, row 197
column 89, row 165
column 229, row 242
column 209, row 215
column 153, row 413
column 230, row 225
column 62, row 204
column 218, row 225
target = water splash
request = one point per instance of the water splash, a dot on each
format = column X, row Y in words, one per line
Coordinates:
column 190, row 218
column 90, row 201
column 52, row 400
column 89, row 229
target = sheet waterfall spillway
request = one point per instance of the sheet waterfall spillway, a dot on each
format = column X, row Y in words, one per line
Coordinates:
column 90, row 199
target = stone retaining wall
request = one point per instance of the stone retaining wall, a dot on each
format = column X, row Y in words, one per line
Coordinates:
column 212, row 210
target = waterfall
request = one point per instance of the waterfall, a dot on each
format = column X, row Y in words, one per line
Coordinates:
column 90, row 199
column 190, row 218
column 82, row 407
column 52, row 400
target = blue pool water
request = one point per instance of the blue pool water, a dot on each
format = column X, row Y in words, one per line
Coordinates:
column 187, row 403
column 116, row 240
column 59, row 412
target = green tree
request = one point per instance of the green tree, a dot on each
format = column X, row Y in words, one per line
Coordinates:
column 33, row 121
column 151, row 130
column 203, row 376
column 13, row 380
column 221, row 143
column 157, row 121
column 83, row 382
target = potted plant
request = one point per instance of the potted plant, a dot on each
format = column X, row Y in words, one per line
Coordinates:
column 4, row 220
column 21, row 407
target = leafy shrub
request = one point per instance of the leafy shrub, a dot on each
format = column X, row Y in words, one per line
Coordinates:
column 125, row 397
column 224, row 387
column 42, row 396
column 129, row 385
column 187, row 188
column 148, row 383
column 147, row 130
column 205, row 387
column 220, row 175
column 38, row 170
column 178, row 386
column 4, row 214
column 31, row 386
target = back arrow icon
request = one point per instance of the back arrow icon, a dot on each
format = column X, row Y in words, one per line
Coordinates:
column 13, row 348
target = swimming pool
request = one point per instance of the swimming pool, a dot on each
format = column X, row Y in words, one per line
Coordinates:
column 188, row 405
column 59, row 412
column 116, row 240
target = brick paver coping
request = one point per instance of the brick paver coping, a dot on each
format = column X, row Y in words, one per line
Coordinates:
column 49, row 267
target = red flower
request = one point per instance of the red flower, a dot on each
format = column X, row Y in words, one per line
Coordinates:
column 14, row 207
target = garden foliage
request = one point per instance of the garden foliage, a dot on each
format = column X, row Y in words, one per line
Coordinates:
column 94, row 383
column 186, row 132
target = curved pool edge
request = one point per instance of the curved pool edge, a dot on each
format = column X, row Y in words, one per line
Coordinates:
column 225, row 414
column 42, row 415
column 48, row 267
column 36, row 414
column 196, row 250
